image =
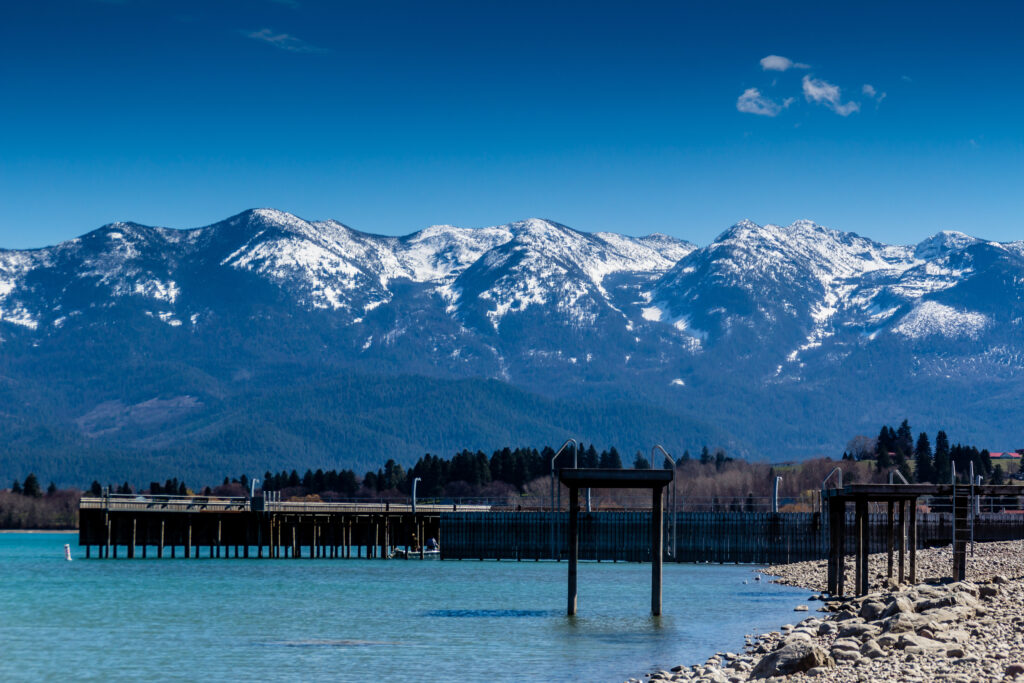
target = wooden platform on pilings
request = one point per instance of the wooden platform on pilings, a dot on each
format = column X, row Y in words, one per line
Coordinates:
column 901, row 498
column 184, row 527
column 655, row 480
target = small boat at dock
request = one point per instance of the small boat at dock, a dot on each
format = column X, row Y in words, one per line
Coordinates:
column 409, row 553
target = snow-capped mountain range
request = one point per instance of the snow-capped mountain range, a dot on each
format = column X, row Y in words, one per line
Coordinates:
column 783, row 315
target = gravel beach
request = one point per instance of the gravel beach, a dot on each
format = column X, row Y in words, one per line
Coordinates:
column 935, row 630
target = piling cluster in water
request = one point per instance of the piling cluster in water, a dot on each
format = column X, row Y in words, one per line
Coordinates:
column 935, row 630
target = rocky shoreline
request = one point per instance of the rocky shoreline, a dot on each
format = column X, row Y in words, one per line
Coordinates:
column 936, row 630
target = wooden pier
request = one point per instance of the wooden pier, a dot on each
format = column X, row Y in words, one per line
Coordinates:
column 167, row 526
column 185, row 526
column 901, row 498
column 655, row 480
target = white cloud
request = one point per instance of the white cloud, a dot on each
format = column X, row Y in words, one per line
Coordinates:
column 823, row 92
column 753, row 102
column 284, row 41
column 778, row 63
column 871, row 92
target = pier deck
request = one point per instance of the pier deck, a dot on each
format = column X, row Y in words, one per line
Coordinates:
column 269, row 529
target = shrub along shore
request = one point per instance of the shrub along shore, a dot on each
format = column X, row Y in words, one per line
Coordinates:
column 936, row 630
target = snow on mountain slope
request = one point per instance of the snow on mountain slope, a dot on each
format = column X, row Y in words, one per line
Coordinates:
column 14, row 266
column 441, row 252
column 548, row 264
column 784, row 291
column 942, row 243
column 652, row 252
column 789, row 282
column 930, row 318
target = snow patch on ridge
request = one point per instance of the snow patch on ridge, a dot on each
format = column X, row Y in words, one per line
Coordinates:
column 652, row 313
column 932, row 318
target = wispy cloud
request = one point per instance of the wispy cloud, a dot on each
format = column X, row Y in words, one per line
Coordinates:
column 285, row 41
column 823, row 92
column 873, row 93
column 753, row 102
column 778, row 63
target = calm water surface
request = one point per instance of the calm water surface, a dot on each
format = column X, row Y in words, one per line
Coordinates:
column 357, row 620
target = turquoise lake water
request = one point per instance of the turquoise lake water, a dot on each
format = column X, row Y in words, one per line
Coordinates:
column 359, row 620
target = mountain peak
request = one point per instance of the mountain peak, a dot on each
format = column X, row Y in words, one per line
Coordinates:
column 942, row 243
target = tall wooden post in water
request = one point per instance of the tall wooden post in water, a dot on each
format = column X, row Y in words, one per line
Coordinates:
column 656, row 480
column 657, row 535
column 574, row 546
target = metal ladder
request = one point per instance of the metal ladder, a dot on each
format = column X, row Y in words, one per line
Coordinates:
column 963, row 526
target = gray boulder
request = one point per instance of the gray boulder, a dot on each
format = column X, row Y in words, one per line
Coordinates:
column 910, row 640
column 790, row 659
column 871, row 610
column 898, row 606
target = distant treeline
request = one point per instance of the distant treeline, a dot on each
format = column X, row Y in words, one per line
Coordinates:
column 465, row 474
column 27, row 506
column 897, row 448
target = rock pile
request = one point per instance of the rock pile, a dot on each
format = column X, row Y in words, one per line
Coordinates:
column 940, row 630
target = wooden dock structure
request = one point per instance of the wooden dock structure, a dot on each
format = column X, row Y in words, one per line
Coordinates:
column 169, row 526
column 904, row 499
column 257, row 528
column 655, row 480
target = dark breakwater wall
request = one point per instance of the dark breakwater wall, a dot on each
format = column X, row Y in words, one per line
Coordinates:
column 718, row 537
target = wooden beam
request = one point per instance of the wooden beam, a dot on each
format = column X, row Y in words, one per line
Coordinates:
column 889, row 536
column 858, row 536
column 657, row 551
column 904, row 504
column 912, row 540
column 574, row 549
column 865, row 533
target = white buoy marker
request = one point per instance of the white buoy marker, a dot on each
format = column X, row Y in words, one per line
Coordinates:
column 67, row 552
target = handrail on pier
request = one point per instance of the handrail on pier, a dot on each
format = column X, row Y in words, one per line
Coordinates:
column 575, row 463
column 672, row 504
column 835, row 470
column 896, row 473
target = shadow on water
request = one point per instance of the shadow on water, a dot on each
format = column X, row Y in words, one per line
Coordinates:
column 489, row 613
column 328, row 643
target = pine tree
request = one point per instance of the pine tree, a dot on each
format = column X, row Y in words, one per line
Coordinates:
column 610, row 460
column 997, row 475
column 51, row 489
column 883, row 446
column 720, row 458
column 640, row 462
column 705, row 455
column 16, row 487
column 904, row 438
column 95, row 489
column 923, row 459
column 31, row 487
column 943, row 463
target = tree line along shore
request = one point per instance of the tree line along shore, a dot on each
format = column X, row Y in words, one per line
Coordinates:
column 710, row 479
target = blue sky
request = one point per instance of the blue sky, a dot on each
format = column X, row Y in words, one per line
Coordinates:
column 679, row 118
